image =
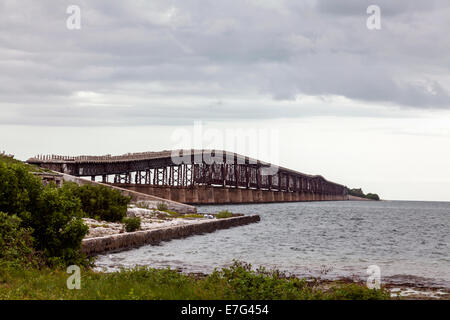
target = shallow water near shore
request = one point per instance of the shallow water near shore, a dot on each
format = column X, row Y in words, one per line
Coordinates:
column 408, row 240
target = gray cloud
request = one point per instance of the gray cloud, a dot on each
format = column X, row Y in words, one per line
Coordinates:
column 157, row 61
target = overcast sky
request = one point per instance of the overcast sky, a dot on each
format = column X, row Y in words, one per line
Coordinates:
column 366, row 108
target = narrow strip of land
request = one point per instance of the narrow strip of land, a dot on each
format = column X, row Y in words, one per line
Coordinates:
column 123, row 241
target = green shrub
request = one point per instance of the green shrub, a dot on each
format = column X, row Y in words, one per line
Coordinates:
column 19, row 189
column 241, row 282
column 372, row 196
column 224, row 214
column 360, row 193
column 16, row 243
column 52, row 216
column 354, row 291
column 132, row 223
column 161, row 206
column 101, row 202
column 356, row 192
column 57, row 225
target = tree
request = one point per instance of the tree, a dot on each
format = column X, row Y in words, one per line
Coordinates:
column 19, row 189
column 101, row 202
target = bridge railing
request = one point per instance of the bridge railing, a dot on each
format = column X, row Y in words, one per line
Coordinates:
column 128, row 156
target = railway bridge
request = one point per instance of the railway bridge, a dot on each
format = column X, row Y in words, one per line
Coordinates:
column 198, row 176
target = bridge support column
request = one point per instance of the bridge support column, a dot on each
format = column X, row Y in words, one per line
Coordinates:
column 177, row 194
column 235, row 195
column 221, row 195
column 182, row 197
column 205, row 195
column 268, row 196
column 302, row 196
column 191, row 195
column 247, row 195
column 258, row 196
column 278, row 196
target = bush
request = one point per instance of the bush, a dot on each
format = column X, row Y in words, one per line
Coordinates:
column 354, row 291
column 360, row 193
column 58, row 226
column 132, row 223
column 224, row 214
column 47, row 218
column 372, row 196
column 101, row 202
column 16, row 243
column 19, row 189
column 241, row 282
column 356, row 192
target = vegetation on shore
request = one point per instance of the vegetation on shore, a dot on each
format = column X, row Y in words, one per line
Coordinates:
column 100, row 202
column 50, row 218
column 237, row 282
column 361, row 194
column 224, row 214
column 132, row 223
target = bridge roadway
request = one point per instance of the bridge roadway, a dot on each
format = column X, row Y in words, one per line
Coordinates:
column 198, row 176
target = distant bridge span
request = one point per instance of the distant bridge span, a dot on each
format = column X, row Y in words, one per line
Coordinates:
column 198, row 176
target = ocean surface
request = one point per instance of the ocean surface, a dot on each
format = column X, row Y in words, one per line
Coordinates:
column 408, row 240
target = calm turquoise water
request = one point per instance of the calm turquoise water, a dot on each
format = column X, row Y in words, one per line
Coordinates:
column 409, row 241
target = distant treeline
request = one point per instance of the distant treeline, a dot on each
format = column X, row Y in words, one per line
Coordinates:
column 361, row 194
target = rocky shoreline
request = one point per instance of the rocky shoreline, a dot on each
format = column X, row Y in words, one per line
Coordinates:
column 403, row 291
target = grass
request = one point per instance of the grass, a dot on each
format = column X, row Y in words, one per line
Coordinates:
column 161, row 206
column 132, row 223
column 143, row 205
column 236, row 282
column 192, row 215
column 224, row 214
